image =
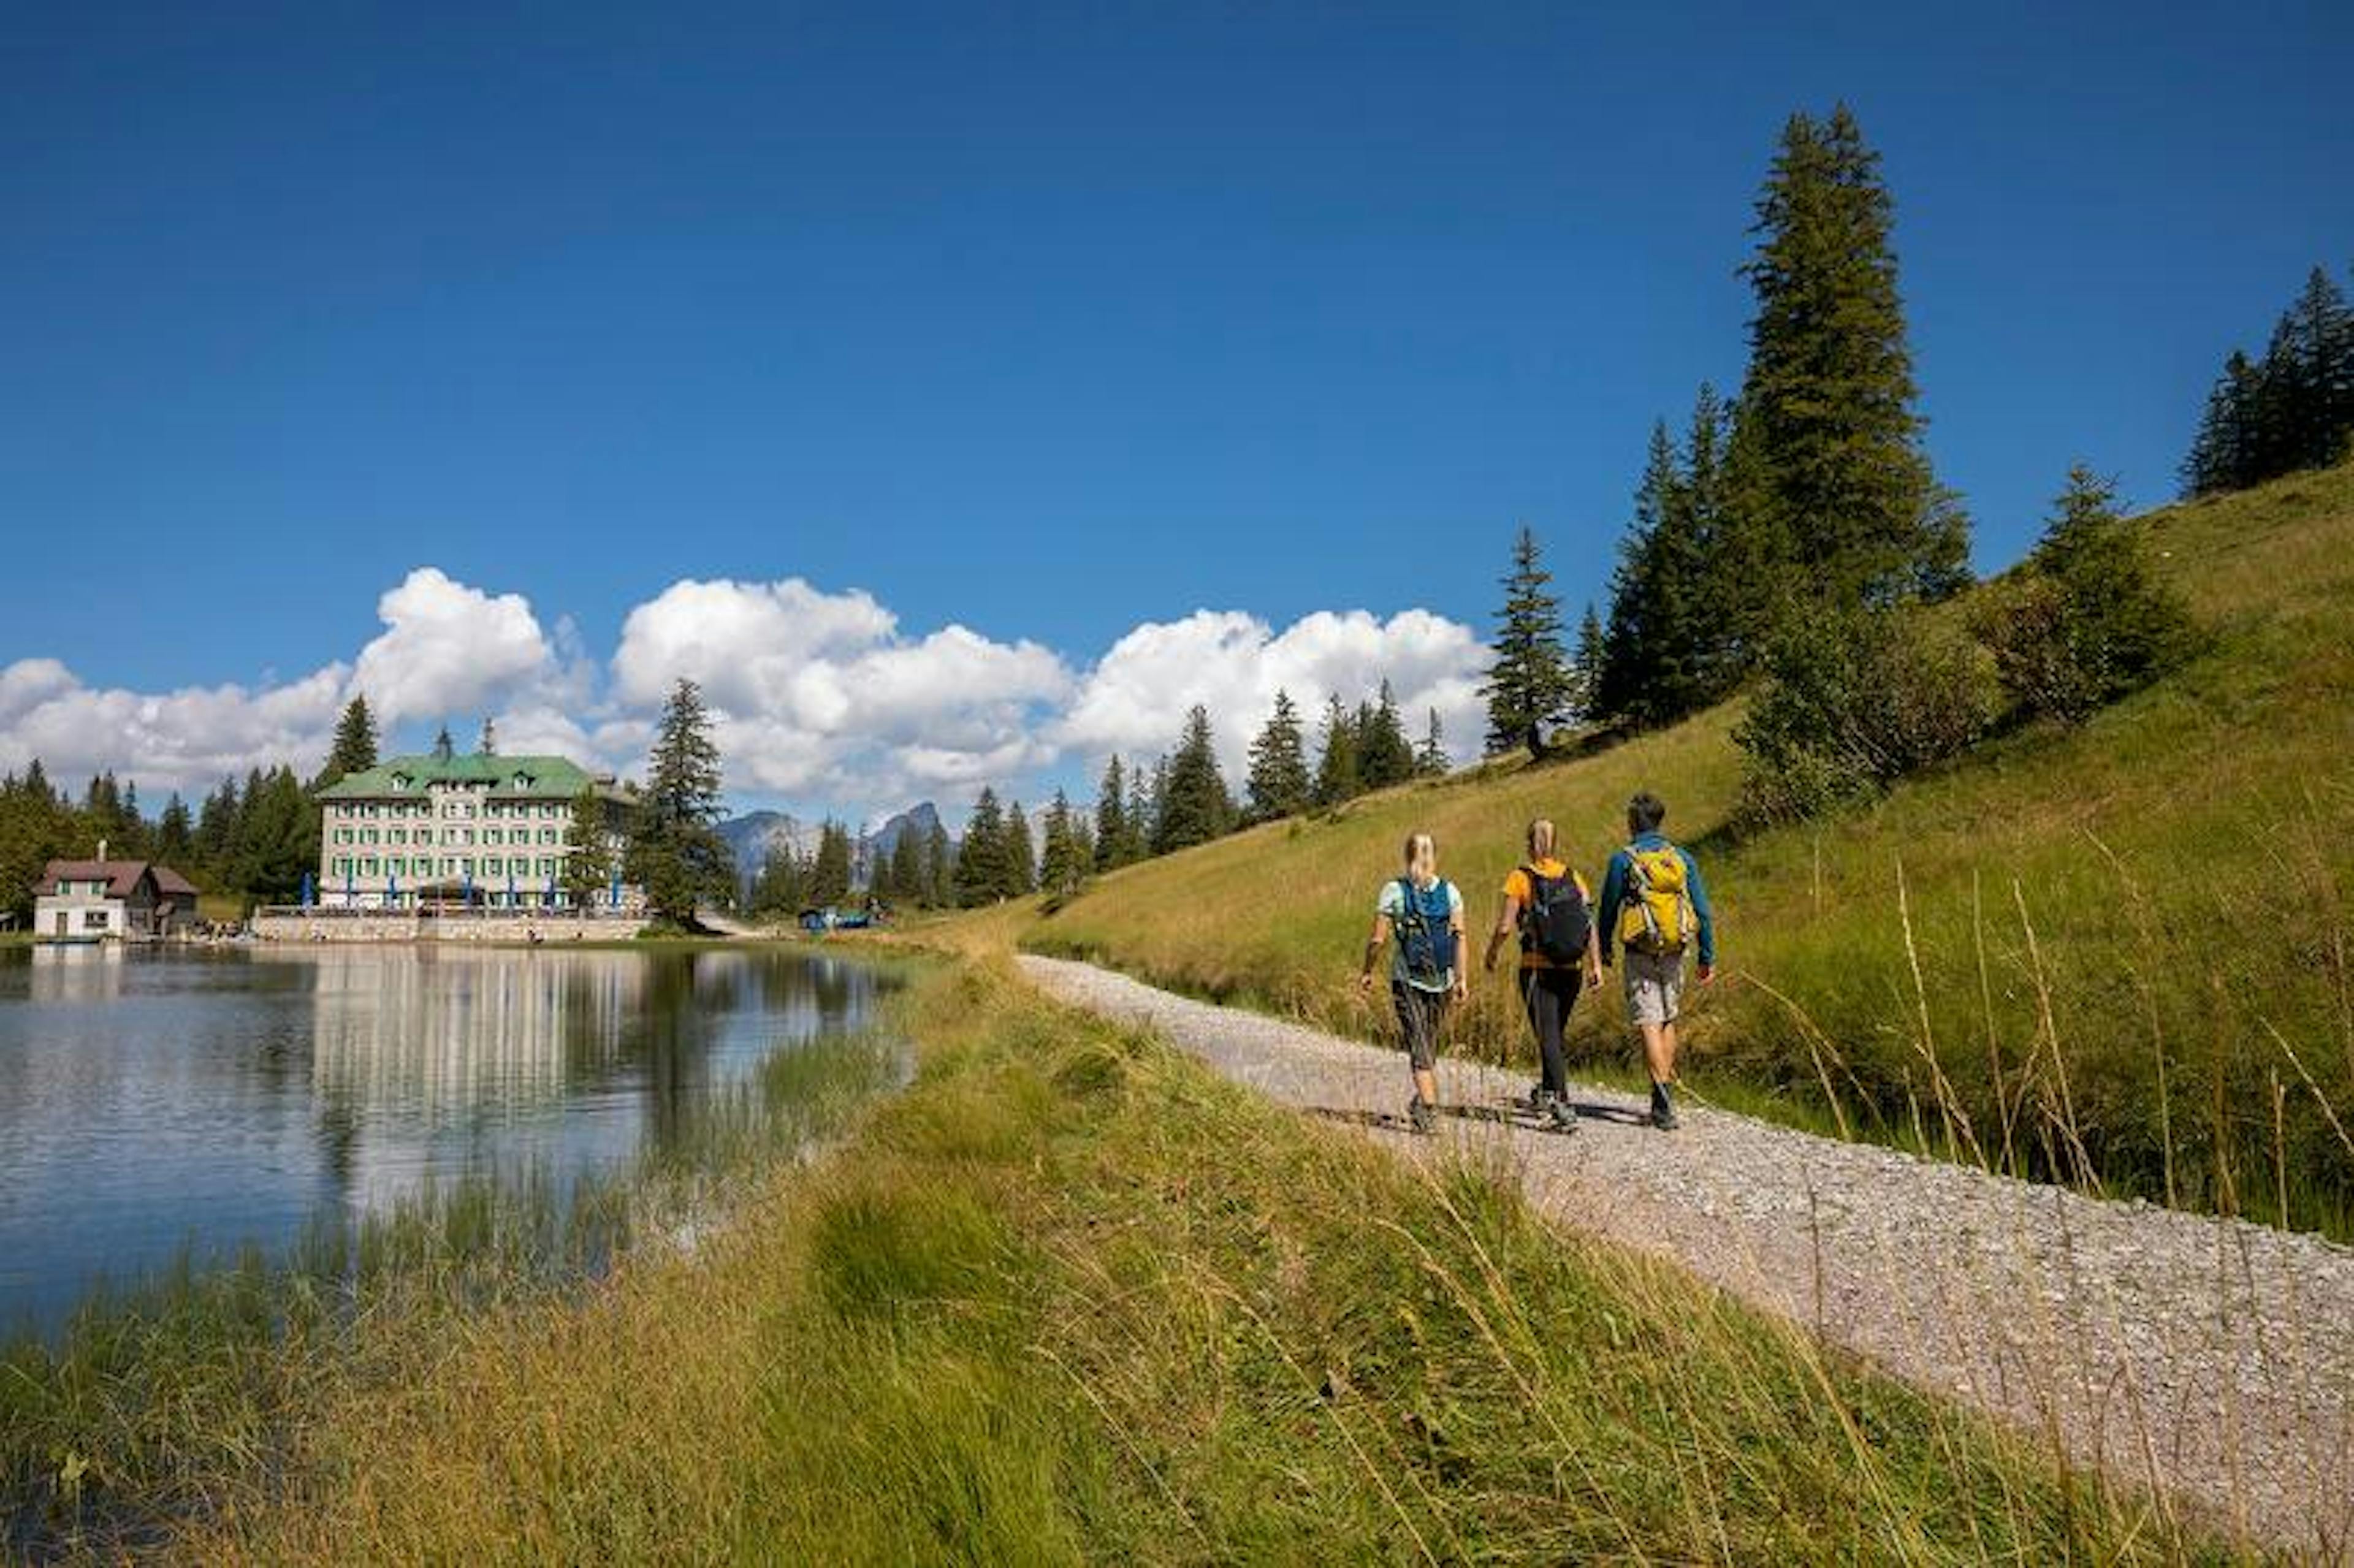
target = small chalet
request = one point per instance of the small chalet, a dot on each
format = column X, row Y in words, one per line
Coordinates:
column 88, row 900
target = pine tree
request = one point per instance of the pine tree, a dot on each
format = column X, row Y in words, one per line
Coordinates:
column 1143, row 805
column 444, row 749
column 783, row 885
column 1836, row 482
column 1336, row 765
column 355, row 746
column 588, row 868
column 1111, row 818
column 1528, row 685
column 980, row 864
column 1021, row 855
column 2222, row 454
column 1195, row 806
column 1431, row 761
column 674, row 853
column 488, row 745
column 1278, row 784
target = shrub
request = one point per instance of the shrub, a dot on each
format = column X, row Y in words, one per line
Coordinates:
column 1852, row 701
column 2085, row 622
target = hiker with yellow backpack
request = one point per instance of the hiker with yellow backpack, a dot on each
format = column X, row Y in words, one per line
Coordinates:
column 1654, row 906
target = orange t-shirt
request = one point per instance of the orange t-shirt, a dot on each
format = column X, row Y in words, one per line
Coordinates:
column 1516, row 886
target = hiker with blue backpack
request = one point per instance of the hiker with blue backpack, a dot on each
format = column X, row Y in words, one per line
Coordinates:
column 1423, row 913
column 1654, row 906
column 1549, row 907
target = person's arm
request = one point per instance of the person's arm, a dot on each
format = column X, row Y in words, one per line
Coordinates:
column 1374, row 943
column 1508, row 921
column 1455, row 925
column 1706, row 916
column 1593, row 942
column 1614, row 892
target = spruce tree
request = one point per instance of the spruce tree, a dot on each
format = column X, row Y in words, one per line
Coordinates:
column 1657, row 650
column 1336, row 765
column 1111, row 818
column 1195, row 806
column 355, row 746
column 1021, row 855
column 588, row 868
column 674, row 854
column 1586, row 670
column 939, row 868
column 1385, row 756
column 175, row 834
column 830, row 869
column 2222, row 455
column 1528, row 685
column 488, row 745
column 1278, row 784
column 1431, row 761
column 907, row 878
column 1140, row 796
column 980, row 864
column 1067, row 857
column 1835, row 480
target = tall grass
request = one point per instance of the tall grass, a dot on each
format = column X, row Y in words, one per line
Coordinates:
column 2081, row 954
column 180, row 1396
column 1072, row 1298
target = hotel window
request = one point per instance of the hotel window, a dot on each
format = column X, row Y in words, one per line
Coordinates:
column 469, row 865
column 493, row 866
column 367, row 868
column 342, row 865
column 449, row 866
column 547, row 866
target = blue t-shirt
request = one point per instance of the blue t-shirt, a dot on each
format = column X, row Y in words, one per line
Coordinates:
column 1392, row 903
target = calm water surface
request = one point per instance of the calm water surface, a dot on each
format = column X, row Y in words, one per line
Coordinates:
column 152, row 1100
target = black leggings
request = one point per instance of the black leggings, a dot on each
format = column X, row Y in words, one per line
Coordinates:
column 1549, row 994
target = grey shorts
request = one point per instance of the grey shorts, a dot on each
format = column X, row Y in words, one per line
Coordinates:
column 1655, row 986
column 1418, row 1012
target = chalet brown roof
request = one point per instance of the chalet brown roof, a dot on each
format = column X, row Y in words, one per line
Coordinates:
column 122, row 878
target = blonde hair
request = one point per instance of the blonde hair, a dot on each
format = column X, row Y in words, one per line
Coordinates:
column 1541, row 838
column 1421, row 857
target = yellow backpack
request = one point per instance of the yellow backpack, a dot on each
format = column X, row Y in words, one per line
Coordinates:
column 1657, row 916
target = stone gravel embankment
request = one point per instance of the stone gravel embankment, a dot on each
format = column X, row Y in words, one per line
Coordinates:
column 2210, row 1359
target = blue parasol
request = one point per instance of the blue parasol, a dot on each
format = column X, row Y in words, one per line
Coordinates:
column 310, row 889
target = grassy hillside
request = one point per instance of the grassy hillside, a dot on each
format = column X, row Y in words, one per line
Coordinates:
column 1012, row 1322
column 2118, row 953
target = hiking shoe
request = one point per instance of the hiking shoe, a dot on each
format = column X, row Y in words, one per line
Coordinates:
column 1420, row 1112
column 1563, row 1113
column 1664, row 1118
column 1535, row 1098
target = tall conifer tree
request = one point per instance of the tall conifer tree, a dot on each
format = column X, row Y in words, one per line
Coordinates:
column 674, row 853
column 1528, row 685
column 354, row 749
column 1195, row 806
column 1111, row 818
column 980, row 868
column 1336, row 763
column 1838, row 492
column 1278, row 784
column 1021, row 855
column 1385, row 756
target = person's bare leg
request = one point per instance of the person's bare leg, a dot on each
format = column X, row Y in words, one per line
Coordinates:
column 1660, row 1052
column 1425, row 1083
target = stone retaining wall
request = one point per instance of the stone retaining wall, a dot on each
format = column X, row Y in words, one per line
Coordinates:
column 413, row 928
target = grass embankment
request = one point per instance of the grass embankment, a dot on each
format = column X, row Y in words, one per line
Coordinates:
column 2120, row 955
column 1070, row 1297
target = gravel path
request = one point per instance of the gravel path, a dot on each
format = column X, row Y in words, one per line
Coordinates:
column 2209, row 1358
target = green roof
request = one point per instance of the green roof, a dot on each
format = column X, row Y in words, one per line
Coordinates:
column 510, row 778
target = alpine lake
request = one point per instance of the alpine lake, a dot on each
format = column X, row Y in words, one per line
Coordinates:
column 171, row 1108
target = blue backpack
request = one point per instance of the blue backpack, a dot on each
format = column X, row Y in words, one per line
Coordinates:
column 1425, row 932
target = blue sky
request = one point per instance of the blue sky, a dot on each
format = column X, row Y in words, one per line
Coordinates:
column 1052, row 323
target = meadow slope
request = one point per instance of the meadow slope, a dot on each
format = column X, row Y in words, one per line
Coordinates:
column 2118, row 954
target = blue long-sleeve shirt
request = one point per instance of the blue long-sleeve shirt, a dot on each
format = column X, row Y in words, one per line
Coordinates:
column 1614, row 894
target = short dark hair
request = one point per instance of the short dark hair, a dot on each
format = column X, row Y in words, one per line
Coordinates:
column 1646, row 811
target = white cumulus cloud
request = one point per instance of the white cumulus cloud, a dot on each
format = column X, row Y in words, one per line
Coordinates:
column 448, row 648
column 1135, row 700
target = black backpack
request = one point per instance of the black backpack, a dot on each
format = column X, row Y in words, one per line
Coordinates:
column 1557, row 922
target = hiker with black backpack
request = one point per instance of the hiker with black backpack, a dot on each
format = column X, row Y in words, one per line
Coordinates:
column 1551, row 908
column 1654, row 904
column 1424, row 914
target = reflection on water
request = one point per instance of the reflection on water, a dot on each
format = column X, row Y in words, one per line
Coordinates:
column 151, row 1099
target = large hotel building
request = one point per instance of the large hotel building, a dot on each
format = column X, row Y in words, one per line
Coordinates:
column 482, row 830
